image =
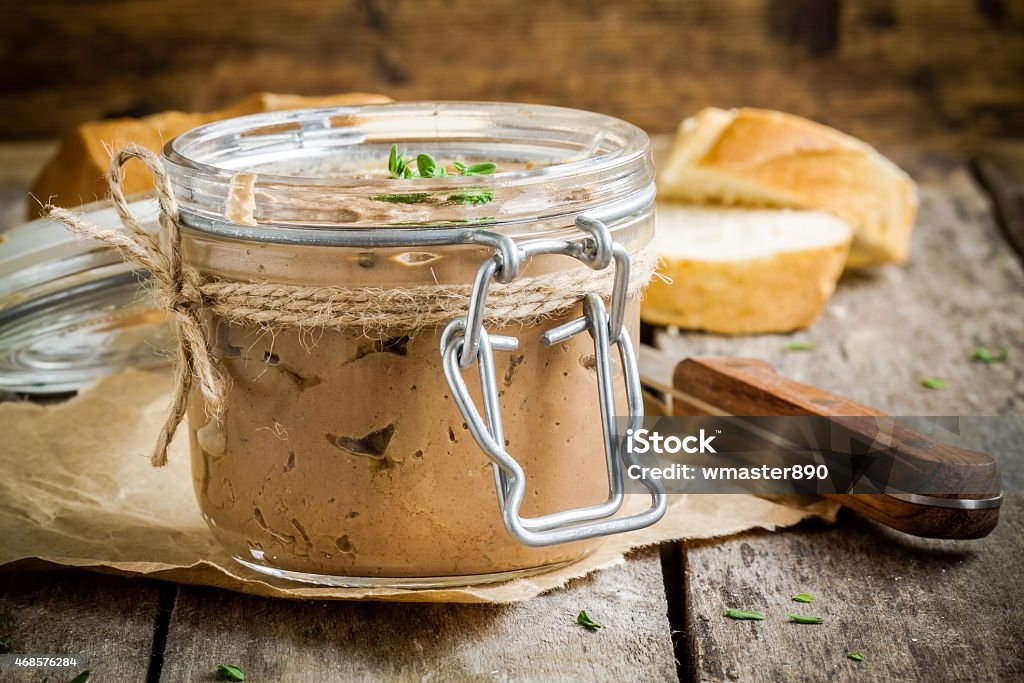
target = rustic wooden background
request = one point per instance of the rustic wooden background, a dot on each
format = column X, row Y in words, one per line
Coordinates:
column 943, row 72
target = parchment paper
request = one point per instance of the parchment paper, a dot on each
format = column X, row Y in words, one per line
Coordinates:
column 77, row 490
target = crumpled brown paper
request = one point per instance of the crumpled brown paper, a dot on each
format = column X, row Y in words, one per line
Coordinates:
column 78, row 490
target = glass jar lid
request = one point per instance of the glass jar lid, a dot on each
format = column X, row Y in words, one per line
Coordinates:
column 315, row 176
column 71, row 310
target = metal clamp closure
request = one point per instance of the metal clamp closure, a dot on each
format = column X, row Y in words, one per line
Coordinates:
column 465, row 341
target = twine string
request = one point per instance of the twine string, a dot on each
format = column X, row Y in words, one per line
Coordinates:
column 174, row 286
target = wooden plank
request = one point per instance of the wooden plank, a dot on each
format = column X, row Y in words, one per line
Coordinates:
column 940, row 70
column 533, row 641
column 1001, row 169
column 932, row 610
column 107, row 621
column 917, row 610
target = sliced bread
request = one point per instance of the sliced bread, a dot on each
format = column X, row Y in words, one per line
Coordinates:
column 761, row 158
column 744, row 271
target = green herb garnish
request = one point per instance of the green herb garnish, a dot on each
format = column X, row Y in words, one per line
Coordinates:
column 855, row 656
column 800, row 619
column 82, row 677
column 230, row 672
column 5, row 644
column 486, row 168
column 798, row 345
column 472, row 197
column 583, row 619
column 398, row 167
column 803, row 597
column 934, row 383
column 427, row 167
column 402, row 197
column 983, row 355
column 744, row 614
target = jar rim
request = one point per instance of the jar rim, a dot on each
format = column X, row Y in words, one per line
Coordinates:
column 595, row 159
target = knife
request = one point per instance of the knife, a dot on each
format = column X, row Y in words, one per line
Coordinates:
column 725, row 386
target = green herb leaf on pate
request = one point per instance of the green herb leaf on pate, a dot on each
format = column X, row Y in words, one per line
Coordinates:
column 803, row 597
column 427, row 167
column 486, row 168
column 398, row 167
column 934, row 383
column 403, row 197
column 469, row 197
column 800, row 345
column 855, row 656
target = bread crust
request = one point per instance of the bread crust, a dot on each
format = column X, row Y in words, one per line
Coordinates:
column 756, row 157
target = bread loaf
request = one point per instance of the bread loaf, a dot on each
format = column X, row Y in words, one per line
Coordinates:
column 759, row 158
column 76, row 174
column 744, row 271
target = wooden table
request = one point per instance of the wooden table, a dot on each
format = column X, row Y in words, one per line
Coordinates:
column 921, row 609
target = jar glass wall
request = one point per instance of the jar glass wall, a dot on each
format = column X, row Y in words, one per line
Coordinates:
column 342, row 457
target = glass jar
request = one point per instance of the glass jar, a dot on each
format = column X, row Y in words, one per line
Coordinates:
column 349, row 455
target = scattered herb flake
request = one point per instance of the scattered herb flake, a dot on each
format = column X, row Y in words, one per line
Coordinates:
column 5, row 644
column 803, row 597
column 934, row 383
column 402, row 197
column 984, row 355
column 800, row 345
column 468, row 197
column 855, row 656
column 800, row 619
column 583, row 619
column 230, row 672
column 744, row 614
column 82, row 677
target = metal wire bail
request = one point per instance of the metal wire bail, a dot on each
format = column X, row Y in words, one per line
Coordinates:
column 465, row 341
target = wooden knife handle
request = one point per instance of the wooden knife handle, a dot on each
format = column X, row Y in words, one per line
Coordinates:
column 746, row 387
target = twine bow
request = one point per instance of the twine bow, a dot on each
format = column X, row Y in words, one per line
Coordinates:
column 175, row 286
